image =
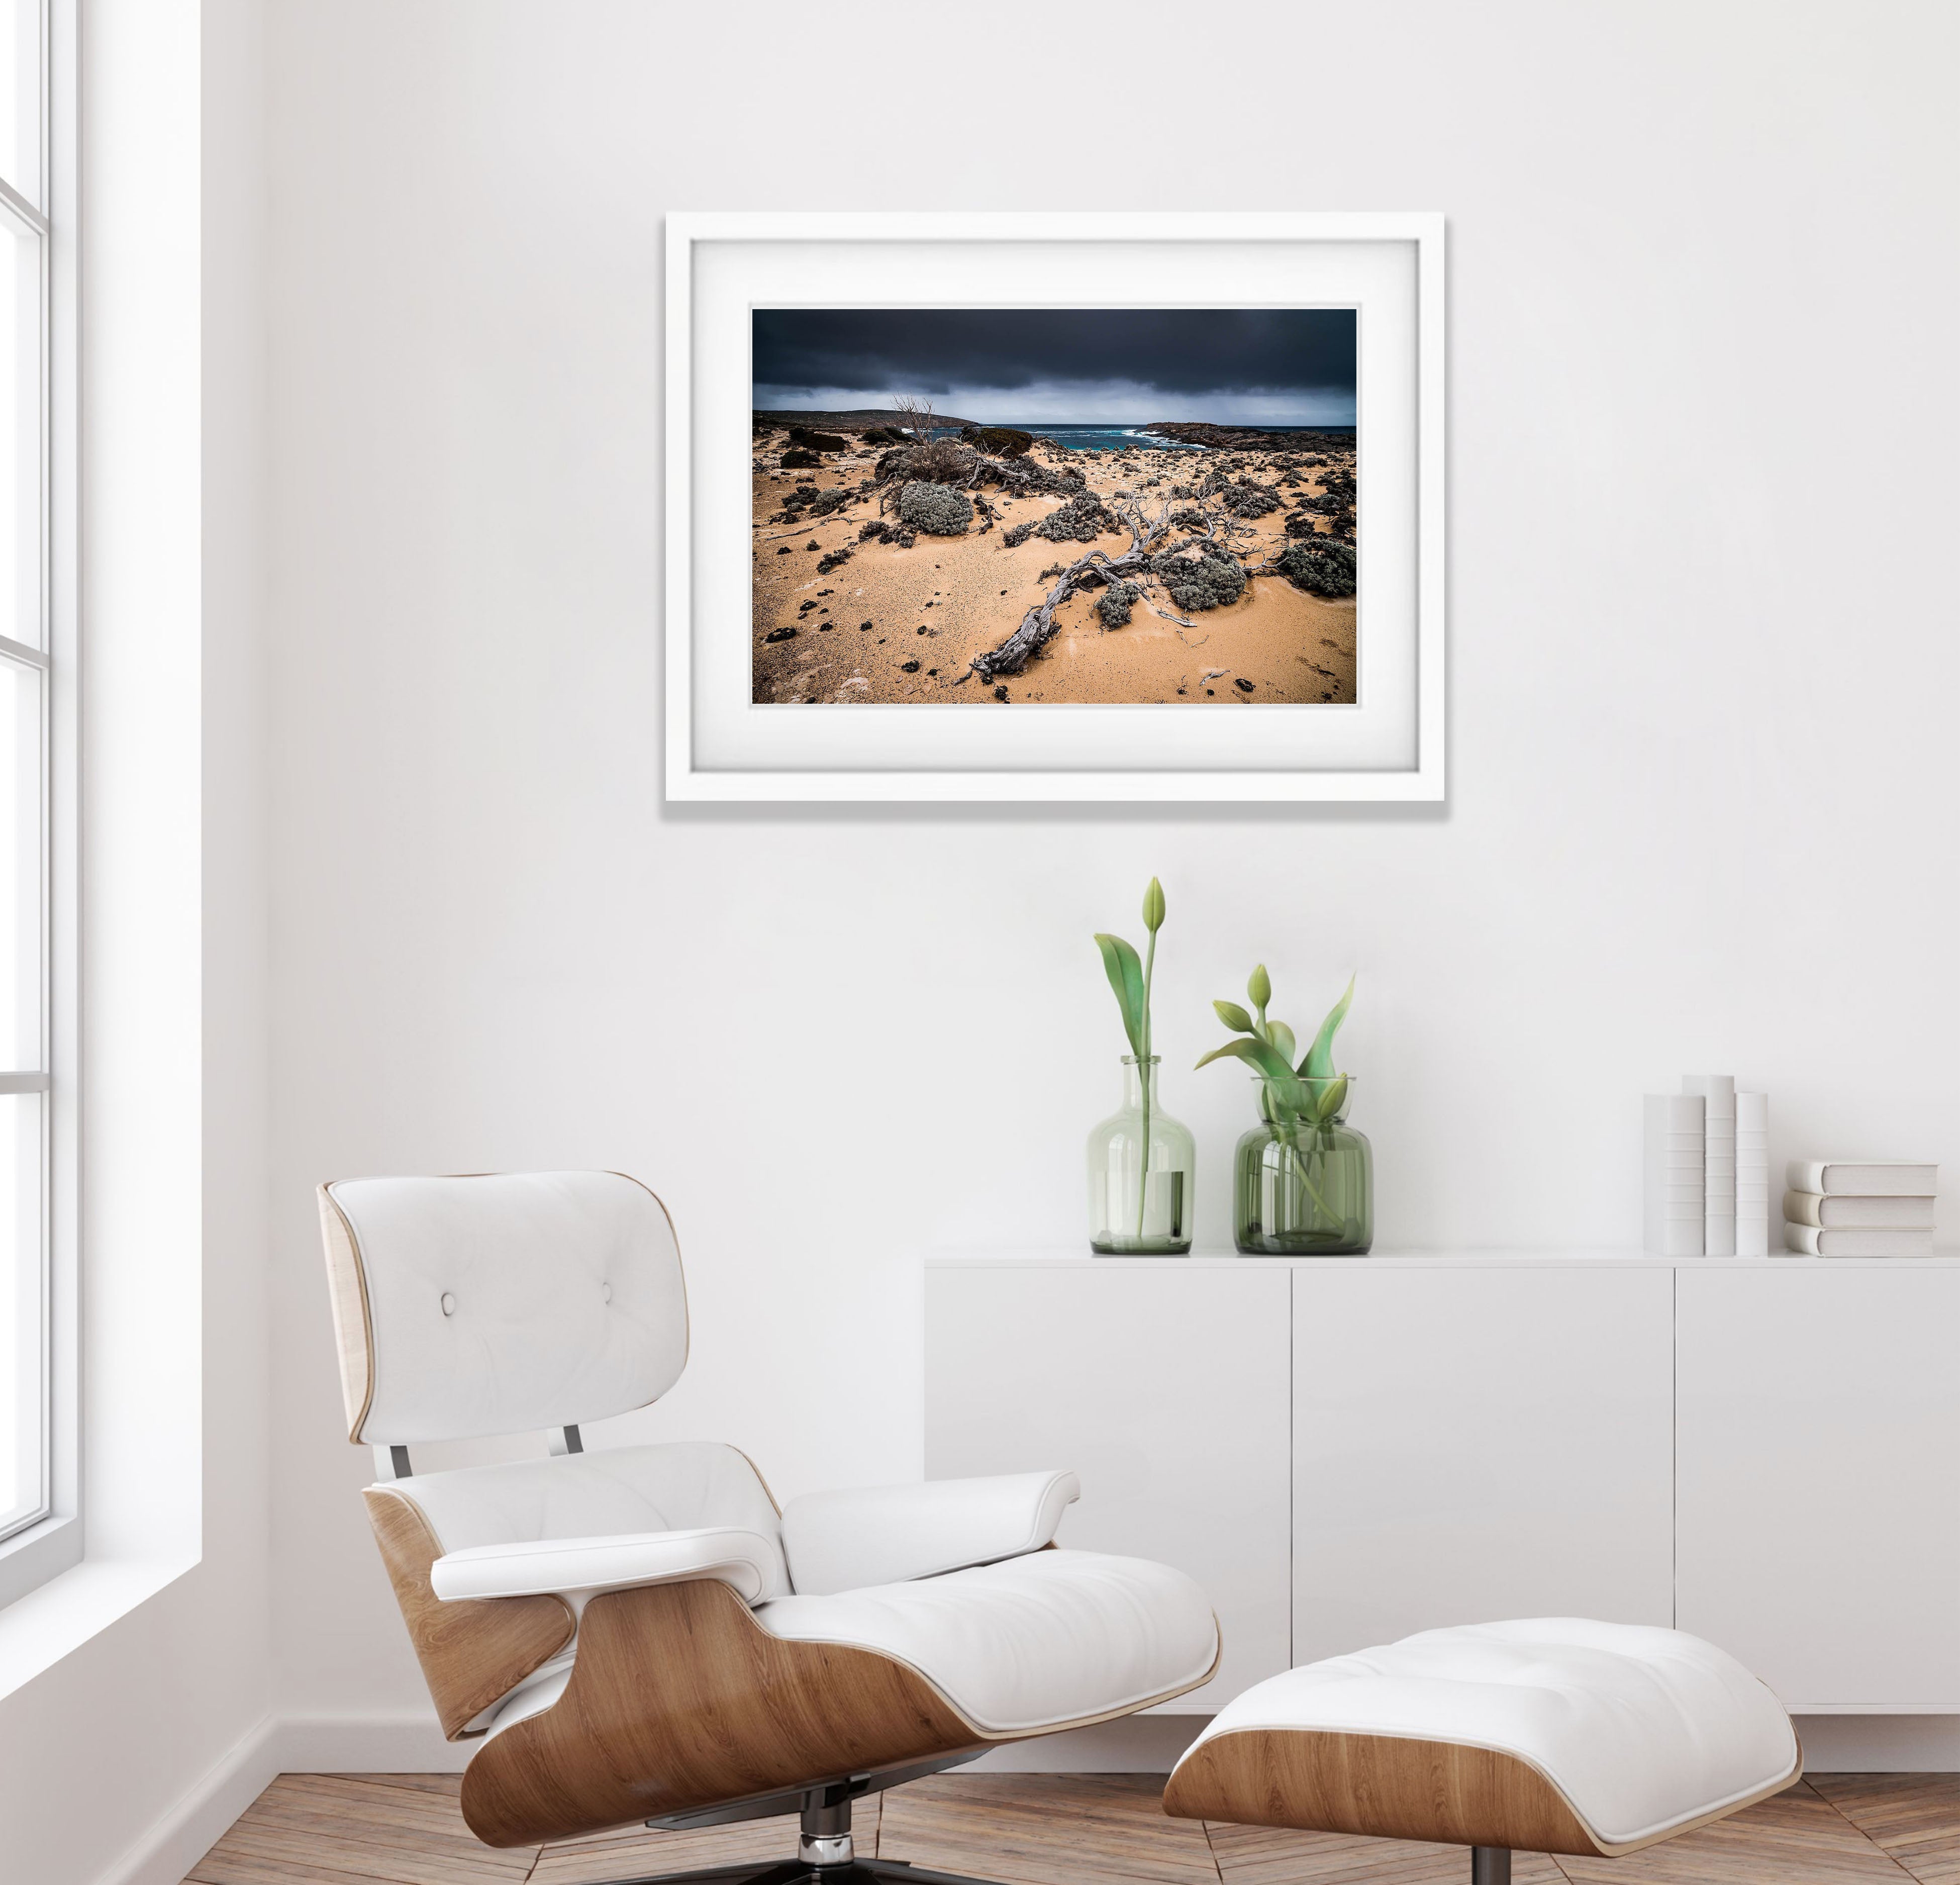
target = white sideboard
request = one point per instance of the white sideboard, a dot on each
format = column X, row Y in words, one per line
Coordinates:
column 1341, row 1451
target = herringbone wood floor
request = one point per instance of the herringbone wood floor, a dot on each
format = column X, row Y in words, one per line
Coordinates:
column 1074, row 1829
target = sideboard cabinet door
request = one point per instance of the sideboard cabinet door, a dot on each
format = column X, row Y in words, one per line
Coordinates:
column 1819, row 1507
column 1165, row 1385
column 1478, row 1442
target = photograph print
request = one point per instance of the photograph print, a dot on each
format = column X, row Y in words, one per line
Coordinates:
column 1054, row 506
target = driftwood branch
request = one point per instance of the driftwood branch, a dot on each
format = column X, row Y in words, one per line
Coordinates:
column 1037, row 625
column 831, row 517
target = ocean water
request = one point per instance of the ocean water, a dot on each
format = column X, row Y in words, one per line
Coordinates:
column 1126, row 438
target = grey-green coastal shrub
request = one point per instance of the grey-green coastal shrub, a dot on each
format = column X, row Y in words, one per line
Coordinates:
column 818, row 502
column 1246, row 498
column 1320, row 565
column 1115, row 604
column 1081, row 520
column 1210, row 582
column 936, row 509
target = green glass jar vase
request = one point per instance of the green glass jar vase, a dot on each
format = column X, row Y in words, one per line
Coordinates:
column 1300, row 1187
column 1141, row 1164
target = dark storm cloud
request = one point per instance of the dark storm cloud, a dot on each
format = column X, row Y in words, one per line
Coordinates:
column 932, row 351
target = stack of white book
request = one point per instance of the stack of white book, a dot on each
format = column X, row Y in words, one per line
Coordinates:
column 1707, row 1170
column 1873, row 1207
column 1676, row 1198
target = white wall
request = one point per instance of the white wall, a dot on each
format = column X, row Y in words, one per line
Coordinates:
column 1703, row 666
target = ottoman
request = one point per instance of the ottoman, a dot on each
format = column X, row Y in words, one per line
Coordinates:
column 1550, row 1735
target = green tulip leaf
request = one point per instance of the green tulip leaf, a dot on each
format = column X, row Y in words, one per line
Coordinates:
column 1284, row 1044
column 1256, row 1054
column 1319, row 1064
column 1233, row 1016
column 1125, row 971
column 1153, row 907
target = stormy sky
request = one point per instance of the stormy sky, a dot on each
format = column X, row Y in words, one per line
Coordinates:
column 1244, row 366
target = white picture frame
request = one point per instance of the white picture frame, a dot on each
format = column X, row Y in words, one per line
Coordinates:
column 1388, row 745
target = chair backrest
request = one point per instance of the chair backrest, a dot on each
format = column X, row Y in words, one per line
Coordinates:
column 500, row 1304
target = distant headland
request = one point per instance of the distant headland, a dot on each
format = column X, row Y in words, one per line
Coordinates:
column 863, row 420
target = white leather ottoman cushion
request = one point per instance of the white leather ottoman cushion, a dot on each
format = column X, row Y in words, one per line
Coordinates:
column 1643, row 1730
column 1036, row 1642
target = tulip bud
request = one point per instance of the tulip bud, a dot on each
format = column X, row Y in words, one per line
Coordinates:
column 1260, row 987
column 1153, row 907
column 1233, row 1016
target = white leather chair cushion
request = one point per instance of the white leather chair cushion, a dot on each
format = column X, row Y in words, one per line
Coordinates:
column 885, row 1534
column 625, row 1492
column 1038, row 1642
column 513, row 1302
column 1642, row 1729
column 545, row 1567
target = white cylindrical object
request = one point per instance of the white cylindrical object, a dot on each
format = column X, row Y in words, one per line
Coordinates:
column 1752, row 1174
column 1717, row 1093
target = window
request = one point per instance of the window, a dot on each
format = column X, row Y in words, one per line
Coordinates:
column 29, row 1478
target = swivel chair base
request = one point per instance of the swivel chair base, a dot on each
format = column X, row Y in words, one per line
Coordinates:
column 852, row 1872
column 825, row 1855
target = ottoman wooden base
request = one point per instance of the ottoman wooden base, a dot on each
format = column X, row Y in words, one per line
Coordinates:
column 1549, row 1735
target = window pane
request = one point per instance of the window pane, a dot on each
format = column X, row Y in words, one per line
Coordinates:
column 23, row 1343
column 20, row 97
column 20, row 456
column 21, row 872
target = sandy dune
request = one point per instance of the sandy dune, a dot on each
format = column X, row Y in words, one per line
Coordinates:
column 947, row 600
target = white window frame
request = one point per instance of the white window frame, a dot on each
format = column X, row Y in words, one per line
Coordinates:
column 39, row 1548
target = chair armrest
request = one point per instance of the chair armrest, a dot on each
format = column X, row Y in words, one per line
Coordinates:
column 891, row 1534
column 564, row 1567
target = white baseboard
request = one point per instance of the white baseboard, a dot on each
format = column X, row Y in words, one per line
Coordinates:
column 410, row 1742
column 199, row 1820
column 406, row 1742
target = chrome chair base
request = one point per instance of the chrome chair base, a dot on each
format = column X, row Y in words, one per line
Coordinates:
column 825, row 1854
column 851, row 1872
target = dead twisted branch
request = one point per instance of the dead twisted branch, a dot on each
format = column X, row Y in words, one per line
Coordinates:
column 1146, row 532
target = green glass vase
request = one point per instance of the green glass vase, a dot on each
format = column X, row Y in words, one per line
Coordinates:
column 1141, row 1163
column 1300, row 1189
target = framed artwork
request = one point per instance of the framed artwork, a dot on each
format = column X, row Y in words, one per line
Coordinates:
column 1055, row 507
